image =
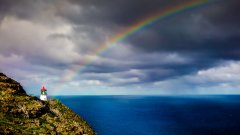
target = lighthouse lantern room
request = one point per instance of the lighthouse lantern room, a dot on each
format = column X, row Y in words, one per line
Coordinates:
column 43, row 95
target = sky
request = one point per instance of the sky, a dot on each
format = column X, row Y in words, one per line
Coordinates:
column 191, row 52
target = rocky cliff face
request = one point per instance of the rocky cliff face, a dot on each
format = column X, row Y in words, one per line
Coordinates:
column 24, row 114
column 10, row 85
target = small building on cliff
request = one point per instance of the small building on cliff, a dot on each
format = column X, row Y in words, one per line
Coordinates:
column 43, row 95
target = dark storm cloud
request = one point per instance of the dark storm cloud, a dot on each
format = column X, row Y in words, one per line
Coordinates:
column 210, row 32
column 146, row 69
column 206, row 35
column 174, row 34
column 213, row 30
column 225, row 14
column 117, row 12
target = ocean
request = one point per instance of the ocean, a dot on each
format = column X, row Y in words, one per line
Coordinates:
column 158, row 115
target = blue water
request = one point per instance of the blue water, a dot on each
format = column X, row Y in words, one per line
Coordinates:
column 158, row 115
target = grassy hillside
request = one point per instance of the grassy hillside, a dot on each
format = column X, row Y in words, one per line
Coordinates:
column 24, row 114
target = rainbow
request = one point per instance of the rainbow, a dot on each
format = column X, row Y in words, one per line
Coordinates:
column 124, row 34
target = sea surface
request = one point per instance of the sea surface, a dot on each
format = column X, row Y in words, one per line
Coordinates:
column 158, row 115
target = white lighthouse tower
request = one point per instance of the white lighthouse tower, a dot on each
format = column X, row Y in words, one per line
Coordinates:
column 43, row 95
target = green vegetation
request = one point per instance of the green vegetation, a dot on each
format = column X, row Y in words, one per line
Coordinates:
column 24, row 114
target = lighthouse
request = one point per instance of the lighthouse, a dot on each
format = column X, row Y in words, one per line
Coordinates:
column 43, row 95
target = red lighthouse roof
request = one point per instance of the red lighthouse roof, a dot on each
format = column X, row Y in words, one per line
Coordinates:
column 43, row 88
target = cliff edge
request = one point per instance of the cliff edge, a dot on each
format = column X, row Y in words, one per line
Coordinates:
column 24, row 114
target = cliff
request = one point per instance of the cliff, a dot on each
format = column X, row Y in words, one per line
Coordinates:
column 24, row 114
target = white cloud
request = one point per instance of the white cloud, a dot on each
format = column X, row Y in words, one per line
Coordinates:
column 31, row 41
column 92, row 82
column 227, row 72
column 222, row 79
column 125, row 80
